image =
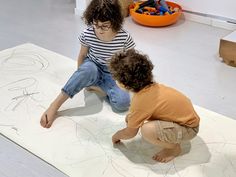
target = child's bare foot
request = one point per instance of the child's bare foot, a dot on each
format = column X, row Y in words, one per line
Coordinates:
column 167, row 155
column 48, row 118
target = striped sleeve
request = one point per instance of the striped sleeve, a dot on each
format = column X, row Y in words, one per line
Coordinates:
column 129, row 44
column 82, row 39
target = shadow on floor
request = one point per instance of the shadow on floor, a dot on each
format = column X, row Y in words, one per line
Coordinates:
column 141, row 152
column 93, row 105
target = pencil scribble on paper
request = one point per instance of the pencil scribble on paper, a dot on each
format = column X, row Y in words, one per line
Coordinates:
column 22, row 91
column 23, row 62
column 80, row 145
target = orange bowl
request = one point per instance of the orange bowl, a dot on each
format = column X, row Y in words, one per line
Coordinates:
column 156, row 20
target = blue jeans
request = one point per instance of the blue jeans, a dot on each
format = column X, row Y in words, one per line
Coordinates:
column 90, row 74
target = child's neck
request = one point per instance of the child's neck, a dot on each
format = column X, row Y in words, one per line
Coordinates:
column 106, row 37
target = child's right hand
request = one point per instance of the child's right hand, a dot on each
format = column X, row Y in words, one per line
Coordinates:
column 115, row 140
column 47, row 119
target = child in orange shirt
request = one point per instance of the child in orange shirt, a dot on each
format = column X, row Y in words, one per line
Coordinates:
column 165, row 116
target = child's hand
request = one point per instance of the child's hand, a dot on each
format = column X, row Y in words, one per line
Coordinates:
column 115, row 140
column 47, row 118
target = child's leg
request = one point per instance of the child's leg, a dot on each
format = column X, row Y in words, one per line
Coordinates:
column 118, row 98
column 167, row 135
column 170, row 150
column 96, row 89
column 85, row 76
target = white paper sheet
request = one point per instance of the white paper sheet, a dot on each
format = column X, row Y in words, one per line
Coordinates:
column 79, row 142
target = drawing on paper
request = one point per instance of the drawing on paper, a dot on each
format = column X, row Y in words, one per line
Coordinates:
column 79, row 143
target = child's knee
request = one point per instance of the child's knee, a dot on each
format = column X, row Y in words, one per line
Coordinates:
column 148, row 130
column 121, row 104
column 120, row 107
column 89, row 71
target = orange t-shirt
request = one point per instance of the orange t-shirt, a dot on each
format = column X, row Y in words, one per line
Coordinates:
column 159, row 102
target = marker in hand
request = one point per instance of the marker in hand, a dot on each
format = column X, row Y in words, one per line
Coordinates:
column 46, row 119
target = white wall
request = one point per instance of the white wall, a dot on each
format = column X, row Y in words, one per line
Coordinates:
column 80, row 6
column 221, row 8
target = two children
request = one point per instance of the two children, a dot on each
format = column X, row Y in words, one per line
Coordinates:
column 103, row 37
column 165, row 116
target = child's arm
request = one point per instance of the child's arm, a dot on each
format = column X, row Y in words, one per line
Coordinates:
column 82, row 54
column 126, row 119
column 124, row 134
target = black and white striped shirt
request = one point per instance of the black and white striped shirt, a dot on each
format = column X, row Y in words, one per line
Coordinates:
column 101, row 51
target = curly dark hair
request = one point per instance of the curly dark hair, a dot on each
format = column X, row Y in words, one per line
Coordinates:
column 132, row 69
column 104, row 10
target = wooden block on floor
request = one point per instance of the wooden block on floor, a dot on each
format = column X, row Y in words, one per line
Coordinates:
column 227, row 49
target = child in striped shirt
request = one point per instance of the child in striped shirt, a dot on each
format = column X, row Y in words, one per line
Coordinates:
column 103, row 37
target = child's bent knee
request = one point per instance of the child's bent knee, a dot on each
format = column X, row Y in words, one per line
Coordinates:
column 149, row 130
column 120, row 107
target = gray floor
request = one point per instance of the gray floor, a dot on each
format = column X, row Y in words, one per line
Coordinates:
column 185, row 57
